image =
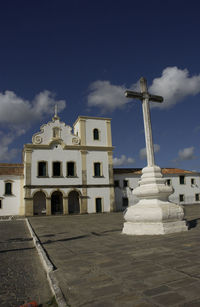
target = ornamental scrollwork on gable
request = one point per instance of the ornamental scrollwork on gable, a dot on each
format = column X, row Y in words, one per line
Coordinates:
column 75, row 141
column 37, row 139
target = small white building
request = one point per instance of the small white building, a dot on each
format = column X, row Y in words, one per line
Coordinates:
column 186, row 185
column 11, row 189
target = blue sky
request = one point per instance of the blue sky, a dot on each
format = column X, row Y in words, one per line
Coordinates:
column 84, row 54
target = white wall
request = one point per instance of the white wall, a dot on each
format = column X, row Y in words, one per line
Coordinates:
column 91, row 158
column 187, row 189
column 10, row 203
column 101, row 125
column 94, row 193
column 56, row 154
column 121, row 191
column 77, row 129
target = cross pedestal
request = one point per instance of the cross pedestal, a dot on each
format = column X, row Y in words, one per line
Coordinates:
column 154, row 214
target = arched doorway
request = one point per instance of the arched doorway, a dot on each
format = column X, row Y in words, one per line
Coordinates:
column 73, row 202
column 57, row 203
column 39, row 203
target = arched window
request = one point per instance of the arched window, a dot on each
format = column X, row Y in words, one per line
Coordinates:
column 96, row 134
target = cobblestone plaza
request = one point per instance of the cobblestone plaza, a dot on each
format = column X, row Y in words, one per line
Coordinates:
column 96, row 265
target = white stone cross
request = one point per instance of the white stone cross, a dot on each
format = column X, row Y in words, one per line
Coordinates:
column 145, row 97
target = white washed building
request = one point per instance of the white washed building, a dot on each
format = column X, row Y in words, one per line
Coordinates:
column 186, row 185
column 11, row 189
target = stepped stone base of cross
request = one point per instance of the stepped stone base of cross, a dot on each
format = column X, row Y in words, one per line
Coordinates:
column 153, row 214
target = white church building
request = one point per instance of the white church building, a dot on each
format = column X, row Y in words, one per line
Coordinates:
column 67, row 171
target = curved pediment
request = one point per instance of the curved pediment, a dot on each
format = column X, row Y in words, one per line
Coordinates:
column 55, row 132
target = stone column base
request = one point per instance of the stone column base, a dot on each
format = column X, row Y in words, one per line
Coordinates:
column 159, row 228
column 153, row 214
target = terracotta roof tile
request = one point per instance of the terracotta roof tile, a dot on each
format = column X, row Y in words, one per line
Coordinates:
column 176, row 171
column 138, row 171
column 11, row 169
column 135, row 171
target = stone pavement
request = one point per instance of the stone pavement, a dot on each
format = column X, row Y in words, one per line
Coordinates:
column 22, row 278
column 98, row 266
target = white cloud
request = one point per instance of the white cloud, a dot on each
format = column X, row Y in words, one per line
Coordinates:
column 186, row 154
column 107, row 96
column 18, row 112
column 174, row 85
column 6, row 154
column 123, row 160
column 143, row 152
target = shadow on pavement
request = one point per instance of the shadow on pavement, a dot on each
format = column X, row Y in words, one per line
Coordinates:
column 192, row 224
column 67, row 239
column 16, row 249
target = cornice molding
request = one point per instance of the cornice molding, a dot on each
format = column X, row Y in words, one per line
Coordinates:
column 29, row 147
column 68, row 186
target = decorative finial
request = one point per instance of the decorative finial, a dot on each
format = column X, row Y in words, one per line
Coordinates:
column 56, row 112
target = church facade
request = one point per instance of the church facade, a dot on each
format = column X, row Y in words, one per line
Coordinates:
column 66, row 171
column 62, row 172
